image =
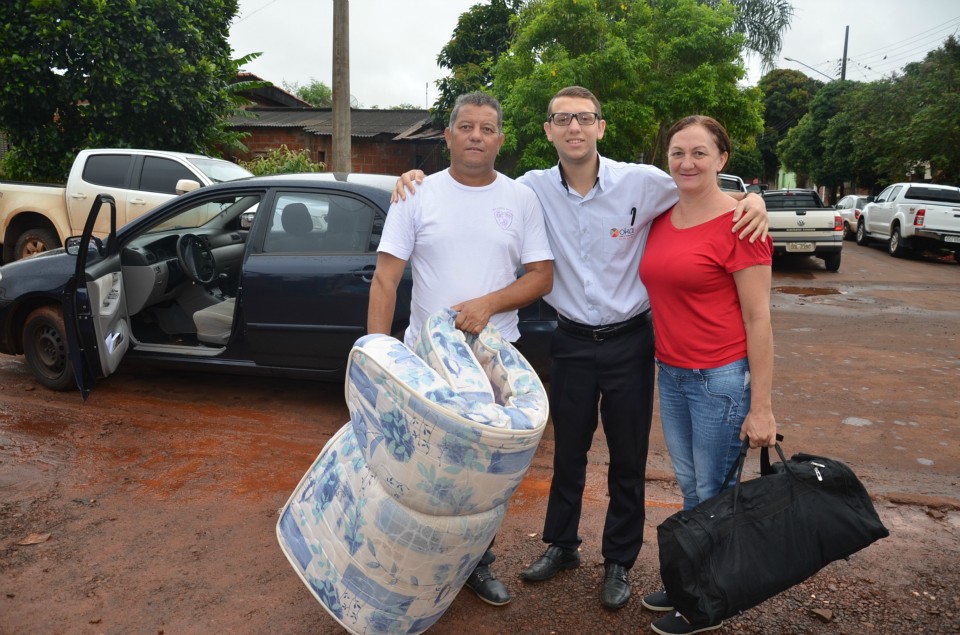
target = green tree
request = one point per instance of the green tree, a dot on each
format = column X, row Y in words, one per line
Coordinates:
column 786, row 98
column 745, row 161
column 932, row 90
column 650, row 64
column 763, row 23
column 316, row 93
column 797, row 149
column 95, row 73
column 482, row 34
column 809, row 149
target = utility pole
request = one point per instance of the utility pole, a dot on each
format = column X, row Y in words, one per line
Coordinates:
column 341, row 87
column 843, row 66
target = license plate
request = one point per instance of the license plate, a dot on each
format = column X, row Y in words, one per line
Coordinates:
column 799, row 247
column 951, row 239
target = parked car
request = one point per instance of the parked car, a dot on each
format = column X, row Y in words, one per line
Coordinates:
column 801, row 224
column 187, row 286
column 731, row 183
column 850, row 208
column 36, row 217
column 757, row 188
column 912, row 217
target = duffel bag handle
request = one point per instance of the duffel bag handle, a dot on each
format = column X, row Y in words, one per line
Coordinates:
column 765, row 466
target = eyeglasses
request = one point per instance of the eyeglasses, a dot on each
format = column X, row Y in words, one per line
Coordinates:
column 565, row 118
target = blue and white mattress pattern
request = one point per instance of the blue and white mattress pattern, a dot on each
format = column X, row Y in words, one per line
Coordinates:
column 403, row 501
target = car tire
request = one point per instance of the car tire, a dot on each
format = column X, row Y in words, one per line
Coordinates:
column 848, row 234
column 862, row 234
column 896, row 246
column 45, row 348
column 832, row 261
column 34, row 241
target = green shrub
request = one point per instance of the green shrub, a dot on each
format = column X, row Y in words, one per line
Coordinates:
column 283, row 160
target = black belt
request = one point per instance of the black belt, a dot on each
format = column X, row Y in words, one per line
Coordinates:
column 605, row 332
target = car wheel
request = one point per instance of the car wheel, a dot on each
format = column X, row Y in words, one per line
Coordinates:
column 34, row 241
column 896, row 245
column 848, row 234
column 862, row 234
column 832, row 261
column 45, row 348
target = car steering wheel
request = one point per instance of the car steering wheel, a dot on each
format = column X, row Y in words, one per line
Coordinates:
column 196, row 259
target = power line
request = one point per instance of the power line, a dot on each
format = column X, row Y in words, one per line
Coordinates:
column 933, row 34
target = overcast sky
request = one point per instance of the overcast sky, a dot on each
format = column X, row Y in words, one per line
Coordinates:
column 394, row 43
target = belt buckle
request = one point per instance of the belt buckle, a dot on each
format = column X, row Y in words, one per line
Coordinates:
column 600, row 334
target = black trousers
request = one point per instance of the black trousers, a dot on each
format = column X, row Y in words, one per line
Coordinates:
column 618, row 373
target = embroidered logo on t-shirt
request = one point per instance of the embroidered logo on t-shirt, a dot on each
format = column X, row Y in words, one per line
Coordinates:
column 503, row 216
column 622, row 233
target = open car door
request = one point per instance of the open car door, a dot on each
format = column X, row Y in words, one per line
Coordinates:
column 95, row 309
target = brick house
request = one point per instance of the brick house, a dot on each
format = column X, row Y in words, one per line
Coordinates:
column 382, row 141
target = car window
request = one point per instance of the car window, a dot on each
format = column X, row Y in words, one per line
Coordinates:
column 319, row 223
column 730, row 183
column 220, row 210
column 933, row 194
column 218, row 170
column 161, row 175
column 108, row 170
column 884, row 195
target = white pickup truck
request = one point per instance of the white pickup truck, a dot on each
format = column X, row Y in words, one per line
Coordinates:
column 912, row 216
column 801, row 224
column 35, row 218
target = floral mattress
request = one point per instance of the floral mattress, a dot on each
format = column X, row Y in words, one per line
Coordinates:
column 402, row 502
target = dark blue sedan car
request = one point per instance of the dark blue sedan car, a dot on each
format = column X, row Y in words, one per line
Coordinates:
column 267, row 275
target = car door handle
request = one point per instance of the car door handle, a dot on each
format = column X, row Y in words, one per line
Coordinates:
column 366, row 274
column 79, row 196
column 137, row 201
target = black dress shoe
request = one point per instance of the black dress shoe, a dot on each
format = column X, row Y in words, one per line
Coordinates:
column 554, row 559
column 487, row 587
column 616, row 586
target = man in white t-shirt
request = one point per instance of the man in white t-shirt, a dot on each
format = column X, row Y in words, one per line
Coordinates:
column 465, row 236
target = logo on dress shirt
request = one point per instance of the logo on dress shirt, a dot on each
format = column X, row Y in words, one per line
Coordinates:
column 622, row 233
column 503, row 216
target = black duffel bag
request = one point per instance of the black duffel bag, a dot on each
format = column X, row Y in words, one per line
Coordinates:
column 760, row 537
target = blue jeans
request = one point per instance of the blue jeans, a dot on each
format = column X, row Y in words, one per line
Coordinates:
column 701, row 412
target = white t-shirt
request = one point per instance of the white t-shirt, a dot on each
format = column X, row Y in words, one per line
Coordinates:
column 465, row 242
column 598, row 239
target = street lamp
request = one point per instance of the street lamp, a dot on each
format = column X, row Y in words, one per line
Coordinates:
column 790, row 59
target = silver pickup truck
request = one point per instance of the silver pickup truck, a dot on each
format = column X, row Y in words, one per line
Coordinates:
column 801, row 224
column 913, row 216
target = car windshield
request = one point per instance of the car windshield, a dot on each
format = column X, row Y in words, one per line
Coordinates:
column 215, row 213
column 219, row 171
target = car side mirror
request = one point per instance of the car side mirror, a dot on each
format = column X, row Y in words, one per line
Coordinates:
column 72, row 245
column 187, row 185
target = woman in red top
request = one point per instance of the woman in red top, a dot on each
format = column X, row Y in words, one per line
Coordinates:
column 710, row 299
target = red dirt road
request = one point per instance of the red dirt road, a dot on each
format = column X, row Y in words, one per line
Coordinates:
column 151, row 508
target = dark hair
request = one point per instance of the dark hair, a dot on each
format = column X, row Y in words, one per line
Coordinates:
column 716, row 130
column 477, row 98
column 578, row 92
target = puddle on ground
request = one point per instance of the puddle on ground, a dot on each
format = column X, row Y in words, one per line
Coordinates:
column 806, row 291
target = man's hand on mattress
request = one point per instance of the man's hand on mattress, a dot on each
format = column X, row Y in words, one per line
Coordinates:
column 472, row 315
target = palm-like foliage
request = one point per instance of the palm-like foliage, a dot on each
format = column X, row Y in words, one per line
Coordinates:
column 763, row 23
